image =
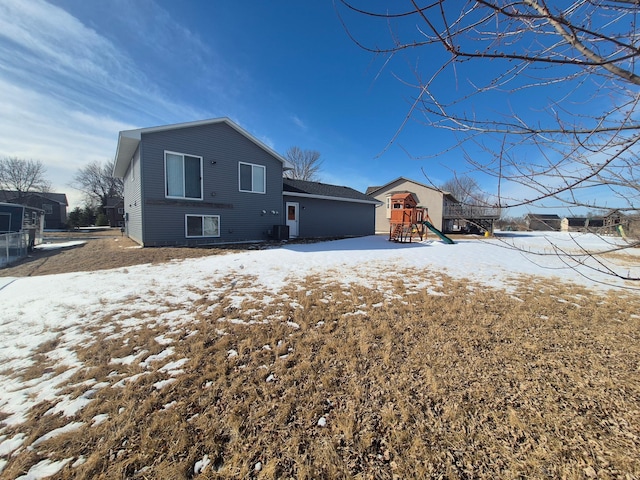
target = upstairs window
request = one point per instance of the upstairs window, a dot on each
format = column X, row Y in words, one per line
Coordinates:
column 252, row 178
column 183, row 176
column 48, row 208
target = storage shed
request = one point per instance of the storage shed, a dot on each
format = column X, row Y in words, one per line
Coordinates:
column 20, row 219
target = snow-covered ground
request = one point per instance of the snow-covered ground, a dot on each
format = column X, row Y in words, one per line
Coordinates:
column 36, row 310
column 58, row 245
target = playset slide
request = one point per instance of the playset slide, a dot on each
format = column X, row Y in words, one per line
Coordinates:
column 444, row 238
column 621, row 232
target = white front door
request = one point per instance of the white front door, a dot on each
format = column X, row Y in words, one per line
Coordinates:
column 292, row 218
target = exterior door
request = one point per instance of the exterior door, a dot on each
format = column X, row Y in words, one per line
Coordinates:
column 293, row 209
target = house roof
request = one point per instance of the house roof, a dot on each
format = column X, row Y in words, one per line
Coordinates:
column 614, row 212
column 404, row 196
column 60, row 198
column 18, row 205
column 114, row 202
column 374, row 190
column 302, row 188
column 543, row 216
column 128, row 141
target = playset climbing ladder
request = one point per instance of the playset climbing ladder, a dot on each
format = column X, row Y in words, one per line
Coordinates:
column 409, row 221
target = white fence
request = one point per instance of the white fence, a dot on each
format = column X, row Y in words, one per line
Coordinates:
column 13, row 246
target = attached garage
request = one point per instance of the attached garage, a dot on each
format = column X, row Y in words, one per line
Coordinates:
column 320, row 210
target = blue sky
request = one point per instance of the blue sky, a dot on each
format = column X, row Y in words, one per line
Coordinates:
column 73, row 73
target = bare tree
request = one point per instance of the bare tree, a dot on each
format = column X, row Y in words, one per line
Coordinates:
column 542, row 99
column 96, row 180
column 464, row 189
column 22, row 176
column 306, row 164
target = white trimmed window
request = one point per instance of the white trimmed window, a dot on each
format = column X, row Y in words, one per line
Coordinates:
column 252, row 178
column 183, row 176
column 202, row 226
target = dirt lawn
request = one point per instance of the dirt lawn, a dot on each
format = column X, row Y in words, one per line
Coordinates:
column 102, row 250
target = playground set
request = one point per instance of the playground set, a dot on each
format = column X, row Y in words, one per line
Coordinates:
column 408, row 220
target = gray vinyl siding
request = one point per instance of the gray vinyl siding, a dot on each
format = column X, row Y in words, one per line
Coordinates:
column 54, row 220
column 133, row 200
column 331, row 218
column 222, row 148
column 61, row 214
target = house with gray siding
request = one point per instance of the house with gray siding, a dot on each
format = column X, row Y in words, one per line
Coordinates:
column 54, row 205
column 27, row 222
column 543, row 222
column 319, row 210
column 210, row 181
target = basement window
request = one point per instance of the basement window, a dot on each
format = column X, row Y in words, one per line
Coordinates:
column 197, row 226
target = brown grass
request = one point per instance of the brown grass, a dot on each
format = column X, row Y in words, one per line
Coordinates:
column 540, row 383
column 99, row 254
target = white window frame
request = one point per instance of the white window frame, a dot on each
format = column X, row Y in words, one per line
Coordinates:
column 202, row 217
column 166, row 186
column 253, row 167
column 48, row 208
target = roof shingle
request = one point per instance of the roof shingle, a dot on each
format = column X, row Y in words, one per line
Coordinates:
column 323, row 190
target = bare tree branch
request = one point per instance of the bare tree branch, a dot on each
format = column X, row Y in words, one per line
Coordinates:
column 306, row 164
column 96, row 180
column 22, row 176
column 540, row 98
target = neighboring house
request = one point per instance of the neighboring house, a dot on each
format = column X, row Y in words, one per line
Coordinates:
column 432, row 199
column 15, row 218
column 581, row 224
column 54, row 205
column 542, row 222
column 114, row 210
column 314, row 209
column 211, row 181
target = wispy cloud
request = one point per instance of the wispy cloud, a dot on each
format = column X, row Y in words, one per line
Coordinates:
column 297, row 121
column 67, row 89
